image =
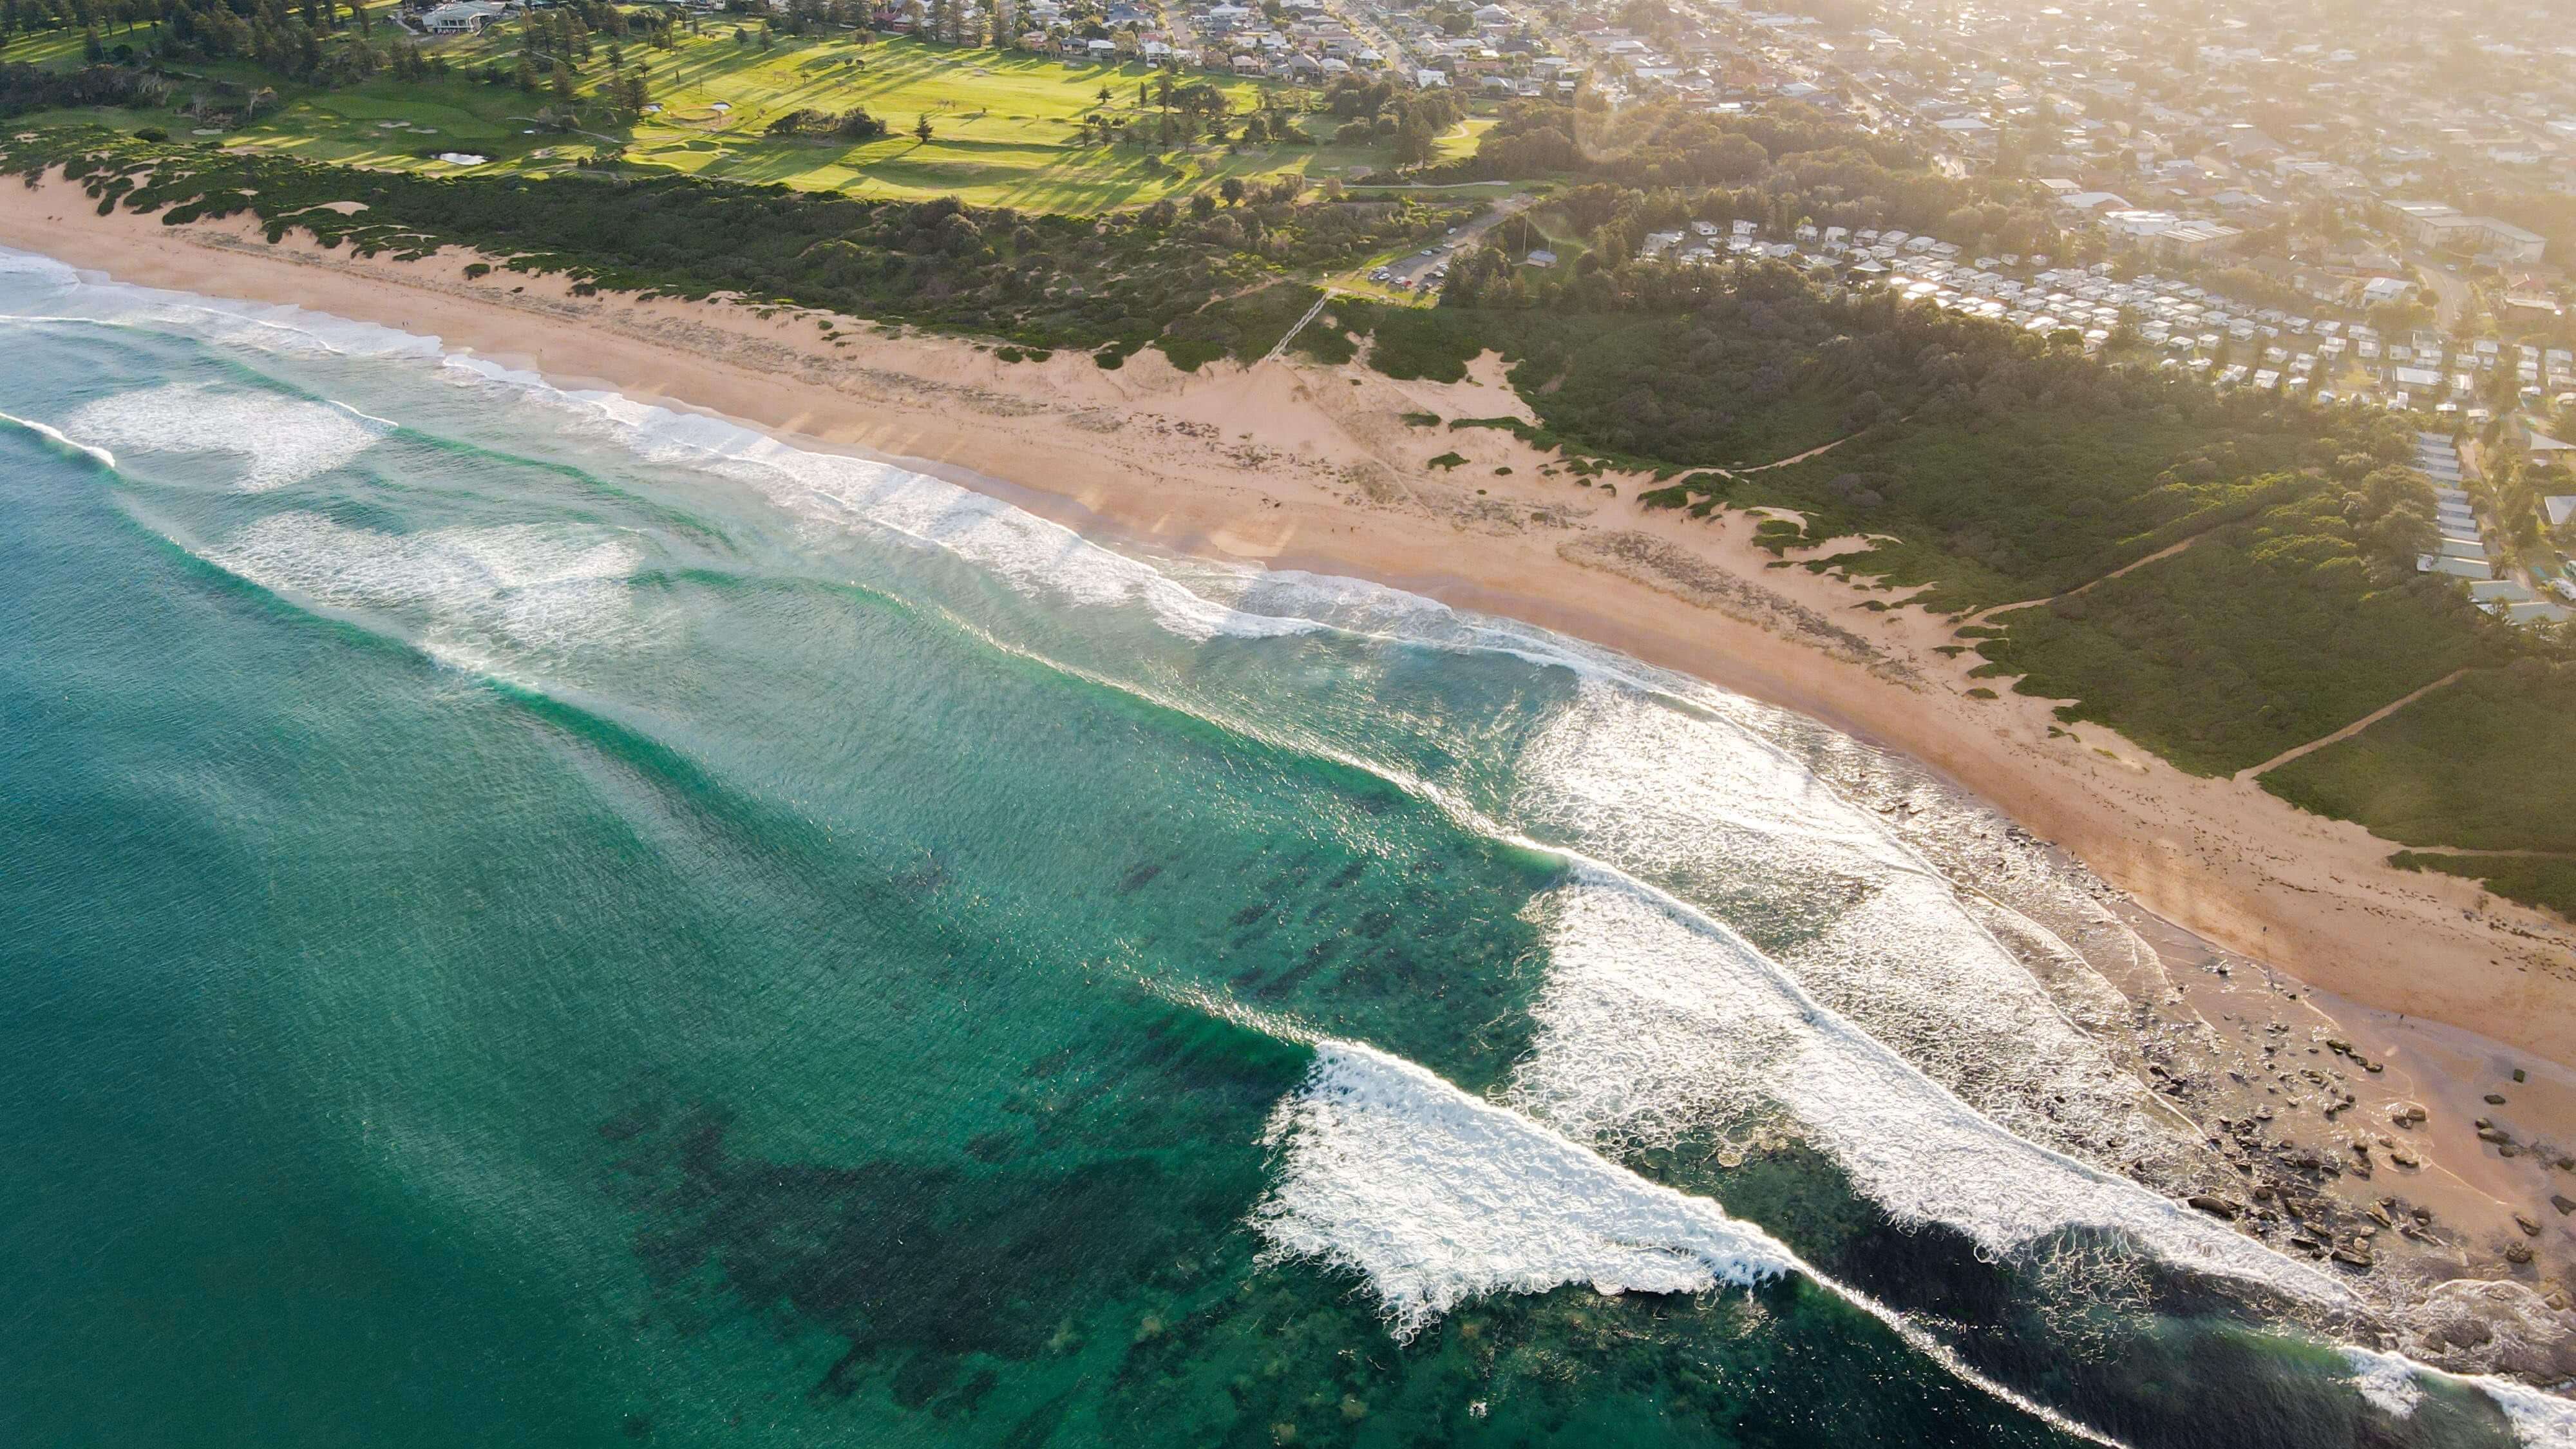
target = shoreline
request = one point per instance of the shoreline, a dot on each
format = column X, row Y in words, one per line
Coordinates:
column 1312, row 467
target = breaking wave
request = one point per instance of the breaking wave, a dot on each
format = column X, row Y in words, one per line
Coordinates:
column 1437, row 1198
column 2386, row 1381
column 55, row 436
column 1877, row 1013
column 1657, row 1021
column 1033, row 554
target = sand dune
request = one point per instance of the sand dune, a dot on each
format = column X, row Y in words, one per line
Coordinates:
column 1313, row 467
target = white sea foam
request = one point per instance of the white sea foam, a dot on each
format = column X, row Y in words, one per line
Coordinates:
column 1031, row 553
column 2386, row 1381
column 1436, row 1198
column 2539, row 1420
column 55, row 436
column 2394, row 1384
column 282, row 440
column 1656, row 1019
column 471, row 591
column 93, row 296
column 1701, row 808
column 1355, row 605
column 23, row 267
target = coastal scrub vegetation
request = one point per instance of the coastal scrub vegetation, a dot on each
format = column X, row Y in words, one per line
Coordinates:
column 2534, row 880
column 2221, row 576
column 2258, row 638
column 2481, row 764
column 1120, row 281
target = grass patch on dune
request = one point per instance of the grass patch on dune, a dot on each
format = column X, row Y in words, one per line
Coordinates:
column 2531, row 880
column 2221, row 656
column 2488, row 763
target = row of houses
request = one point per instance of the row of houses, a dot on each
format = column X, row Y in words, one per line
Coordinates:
column 2460, row 551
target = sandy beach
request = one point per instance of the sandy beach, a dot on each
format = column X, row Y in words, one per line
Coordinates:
column 1308, row 466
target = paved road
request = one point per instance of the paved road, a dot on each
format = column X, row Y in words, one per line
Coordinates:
column 1414, row 268
column 2450, row 290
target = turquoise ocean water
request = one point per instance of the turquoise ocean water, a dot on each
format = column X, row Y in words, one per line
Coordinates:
column 533, row 919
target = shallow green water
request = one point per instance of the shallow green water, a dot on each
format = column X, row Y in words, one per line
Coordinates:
column 532, row 920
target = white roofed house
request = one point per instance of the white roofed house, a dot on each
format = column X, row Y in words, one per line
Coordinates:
column 2138, row 224
column 2458, row 568
column 467, row 17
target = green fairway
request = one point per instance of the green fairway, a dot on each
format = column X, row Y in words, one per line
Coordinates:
column 1005, row 124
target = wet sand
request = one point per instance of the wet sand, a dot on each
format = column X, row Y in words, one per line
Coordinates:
column 1307, row 466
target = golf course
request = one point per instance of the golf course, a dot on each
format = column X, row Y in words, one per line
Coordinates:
column 1006, row 128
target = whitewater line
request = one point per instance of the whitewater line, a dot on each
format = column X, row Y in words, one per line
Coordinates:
column 353, row 338
column 1814, row 1013
column 1437, row 1196
column 57, row 437
column 944, row 517
column 387, row 424
column 2387, row 1381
